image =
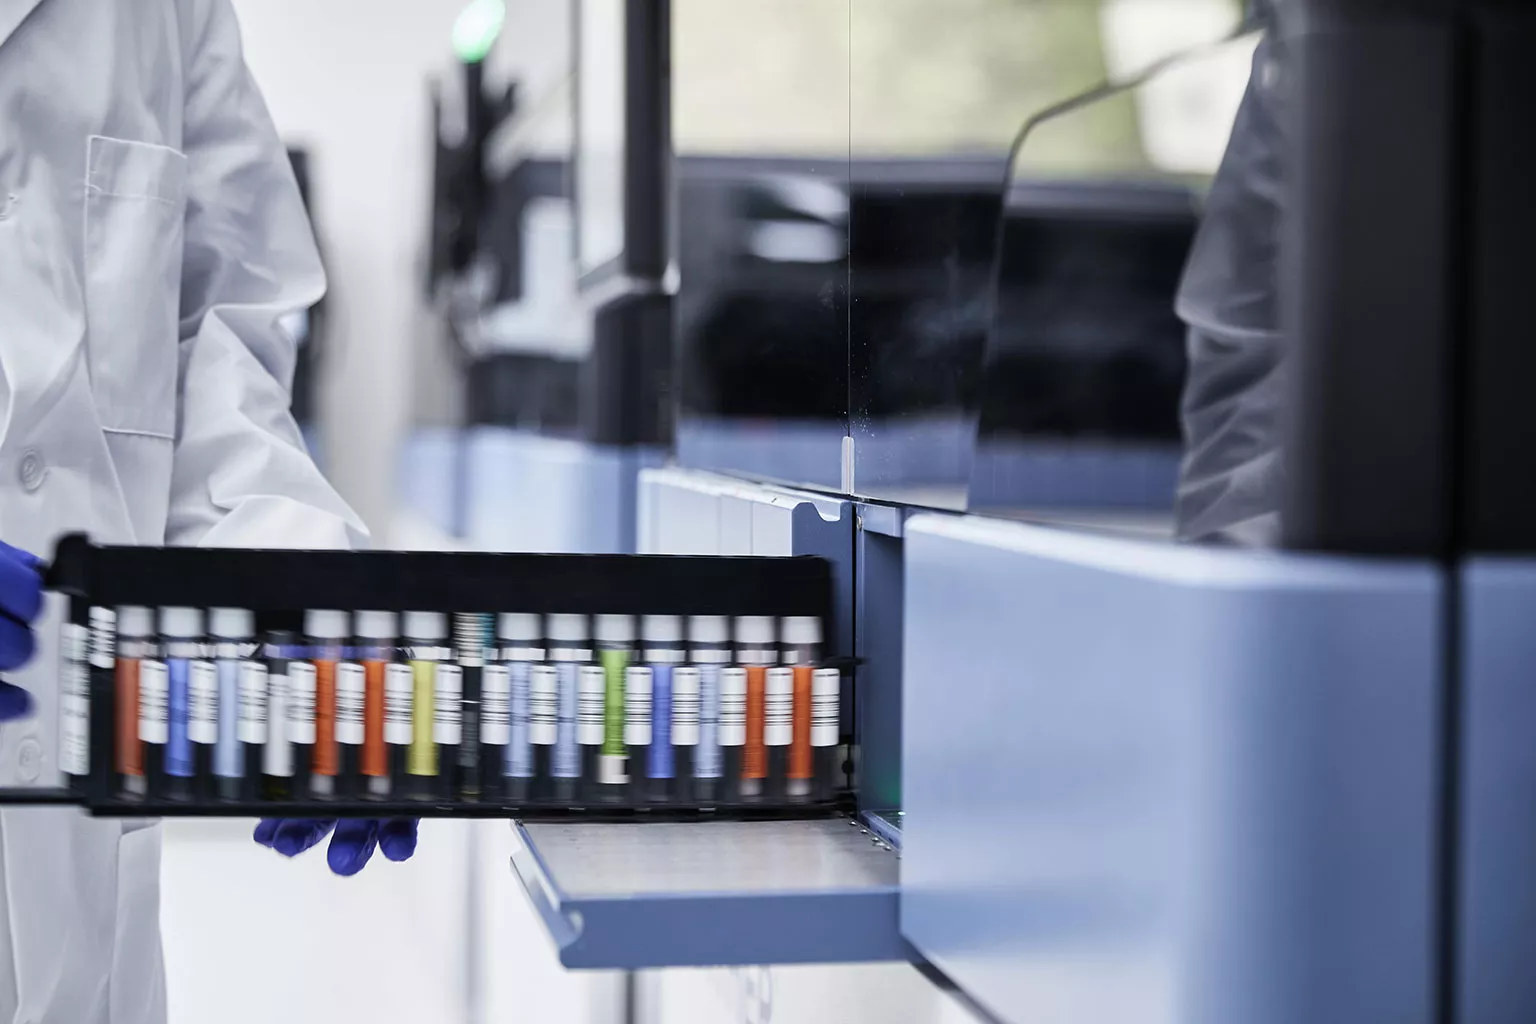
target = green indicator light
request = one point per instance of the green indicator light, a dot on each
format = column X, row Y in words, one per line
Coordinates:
column 475, row 31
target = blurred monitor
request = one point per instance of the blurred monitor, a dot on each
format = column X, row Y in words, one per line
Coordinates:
column 776, row 366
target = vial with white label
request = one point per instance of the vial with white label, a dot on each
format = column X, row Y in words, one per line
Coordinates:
column 459, row 761
column 327, row 633
column 650, row 716
column 509, row 714
column 78, row 672
column 578, row 708
column 253, row 728
column 757, row 651
column 615, row 642
column 192, row 701
column 374, row 649
column 290, row 717
column 709, row 651
column 137, row 643
column 351, row 715
column 433, row 677
column 232, row 632
column 399, row 719
column 817, row 713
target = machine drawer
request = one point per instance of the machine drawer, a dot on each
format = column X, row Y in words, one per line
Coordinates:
column 722, row 893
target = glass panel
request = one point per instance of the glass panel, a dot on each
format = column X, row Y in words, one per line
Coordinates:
column 1086, row 359
column 760, row 124
column 938, row 91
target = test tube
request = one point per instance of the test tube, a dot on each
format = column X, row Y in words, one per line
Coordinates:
column 459, row 744
column 193, row 701
column 231, row 631
column 522, row 758
column 326, row 632
column 615, row 636
column 351, row 720
column 802, row 650
column 756, row 652
column 826, row 732
column 76, row 665
column 579, row 734
column 579, row 716
column 399, row 719
column 375, row 652
column 290, row 717
column 651, row 746
column 254, row 730
column 778, row 729
column 709, row 651
column 425, row 639
column 135, row 644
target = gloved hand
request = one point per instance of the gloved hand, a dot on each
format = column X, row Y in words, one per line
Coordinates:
column 21, row 600
column 351, row 846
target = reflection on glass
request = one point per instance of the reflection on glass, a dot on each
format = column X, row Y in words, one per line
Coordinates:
column 1085, row 361
column 840, row 185
column 760, row 126
column 938, row 92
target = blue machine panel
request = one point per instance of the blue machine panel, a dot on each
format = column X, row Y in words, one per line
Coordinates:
column 1145, row 782
column 428, row 471
column 1497, row 929
column 527, row 492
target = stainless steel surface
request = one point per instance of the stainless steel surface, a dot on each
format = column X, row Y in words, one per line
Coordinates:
column 612, row 859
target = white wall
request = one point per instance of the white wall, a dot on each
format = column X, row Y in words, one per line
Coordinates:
column 348, row 79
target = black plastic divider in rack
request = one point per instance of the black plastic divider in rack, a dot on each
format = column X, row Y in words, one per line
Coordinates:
column 278, row 586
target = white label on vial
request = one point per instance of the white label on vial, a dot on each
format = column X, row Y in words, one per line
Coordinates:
column 543, row 705
column 399, row 698
column 351, row 685
column 253, row 702
column 202, row 702
column 826, row 706
column 154, row 686
column 589, row 706
column 75, row 643
column 779, row 707
column 301, row 703
column 733, row 707
column 496, row 705
column 637, row 705
column 685, row 707
column 277, row 755
column 75, row 720
column 103, row 637
column 448, row 717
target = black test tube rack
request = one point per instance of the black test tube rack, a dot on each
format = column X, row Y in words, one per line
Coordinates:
column 278, row 586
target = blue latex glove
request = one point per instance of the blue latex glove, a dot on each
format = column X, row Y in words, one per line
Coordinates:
column 21, row 601
column 351, row 847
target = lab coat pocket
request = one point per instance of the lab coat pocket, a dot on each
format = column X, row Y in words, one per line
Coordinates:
column 135, row 202
column 138, row 986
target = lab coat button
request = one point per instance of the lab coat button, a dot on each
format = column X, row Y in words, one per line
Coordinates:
column 32, row 471
column 29, row 760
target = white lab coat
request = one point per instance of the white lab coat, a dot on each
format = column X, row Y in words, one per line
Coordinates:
column 151, row 238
